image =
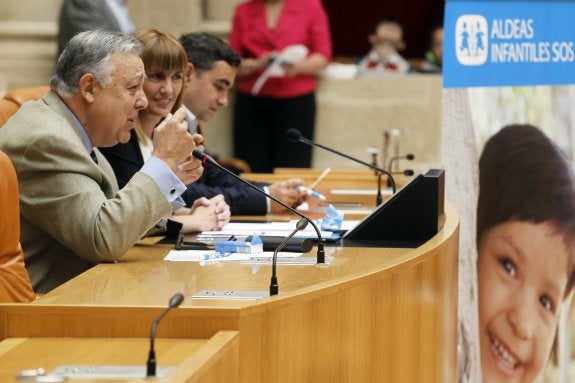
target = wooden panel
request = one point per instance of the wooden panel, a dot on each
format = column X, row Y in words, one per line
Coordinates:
column 356, row 188
column 373, row 314
column 194, row 360
column 216, row 361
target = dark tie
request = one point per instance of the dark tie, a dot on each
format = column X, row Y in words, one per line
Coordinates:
column 93, row 155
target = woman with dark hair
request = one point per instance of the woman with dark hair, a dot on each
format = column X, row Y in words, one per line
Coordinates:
column 525, row 238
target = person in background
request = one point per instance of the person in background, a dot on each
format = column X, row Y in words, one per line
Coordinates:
column 261, row 30
column 433, row 61
column 526, row 253
column 72, row 213
column 386, row 37
column 211, row 73
column 87, row 15
column 15, row 285
column 165, row 62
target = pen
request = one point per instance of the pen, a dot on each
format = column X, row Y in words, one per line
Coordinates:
column 311, row 193
column 321, row 176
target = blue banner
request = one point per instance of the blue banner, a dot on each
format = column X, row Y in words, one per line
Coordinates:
column 508, row 43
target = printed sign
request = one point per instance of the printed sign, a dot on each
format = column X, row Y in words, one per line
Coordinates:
column 507, row 43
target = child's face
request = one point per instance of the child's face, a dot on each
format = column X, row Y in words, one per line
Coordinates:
column 388, row 33
column 437, row 44
column 522, row 275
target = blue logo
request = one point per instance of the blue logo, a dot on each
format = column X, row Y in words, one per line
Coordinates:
column 471, row 40
column 508, row 43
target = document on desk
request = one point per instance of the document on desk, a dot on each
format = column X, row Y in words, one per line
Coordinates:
column 210, row 256
column 272, row 229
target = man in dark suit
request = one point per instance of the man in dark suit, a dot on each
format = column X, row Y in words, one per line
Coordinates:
column 88, row 15
column 212, row 68
column 73, row 214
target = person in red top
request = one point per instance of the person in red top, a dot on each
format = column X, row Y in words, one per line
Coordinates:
column 276, row 90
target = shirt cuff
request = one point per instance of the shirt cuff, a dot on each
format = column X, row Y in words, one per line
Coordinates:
column 169, row 184
column 268, row 202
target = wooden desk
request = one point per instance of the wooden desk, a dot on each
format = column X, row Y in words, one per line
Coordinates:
column 358, row 187
column 372, row 315
column 317, row 171
column 194, row 360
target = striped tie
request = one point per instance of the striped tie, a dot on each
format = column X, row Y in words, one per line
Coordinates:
column 93, row 155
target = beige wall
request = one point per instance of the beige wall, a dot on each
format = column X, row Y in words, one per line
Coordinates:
column 177, row 16
column 27, row 41
column 28, row 31
column 354, row 114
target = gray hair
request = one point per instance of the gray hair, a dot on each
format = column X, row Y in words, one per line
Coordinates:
column 90, row 52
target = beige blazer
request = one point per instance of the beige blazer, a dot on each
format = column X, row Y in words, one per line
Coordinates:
column 72, row 214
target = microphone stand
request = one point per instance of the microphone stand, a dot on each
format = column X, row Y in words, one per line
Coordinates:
column 175, row 301
column 274, row 288
column 408, row 157
column 378, row 198
column 207, row 159
column 295, row 135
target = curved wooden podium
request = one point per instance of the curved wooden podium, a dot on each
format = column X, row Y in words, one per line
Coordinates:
column 372, row 315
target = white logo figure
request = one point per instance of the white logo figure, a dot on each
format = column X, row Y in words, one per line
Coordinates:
column 471, row 40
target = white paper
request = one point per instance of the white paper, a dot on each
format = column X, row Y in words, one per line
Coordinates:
column 290, row 55
column 210, row 256
column 272, row 229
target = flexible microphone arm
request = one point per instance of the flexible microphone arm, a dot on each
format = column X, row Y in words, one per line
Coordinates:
column 408, row 157
column 294, row 135
column 301, row 224
column 175, row 301
column 207, row 159
column 379, row 198
column 406, row 172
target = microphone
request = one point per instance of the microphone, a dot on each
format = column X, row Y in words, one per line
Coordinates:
column 406, row 172
column 175, row 301
column 207, row 159
column 301, row 224
column 408, row 157
column 294, row 135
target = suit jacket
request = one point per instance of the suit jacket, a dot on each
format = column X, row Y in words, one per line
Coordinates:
column 72, row 214
column 15, row 283
column 126, row 159
column 84, row 15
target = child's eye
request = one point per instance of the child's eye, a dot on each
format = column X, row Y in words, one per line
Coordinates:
column 508, row 266
column 546, row 302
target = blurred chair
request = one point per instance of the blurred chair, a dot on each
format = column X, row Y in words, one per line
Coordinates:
column 14, row 98
column 15, row 283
